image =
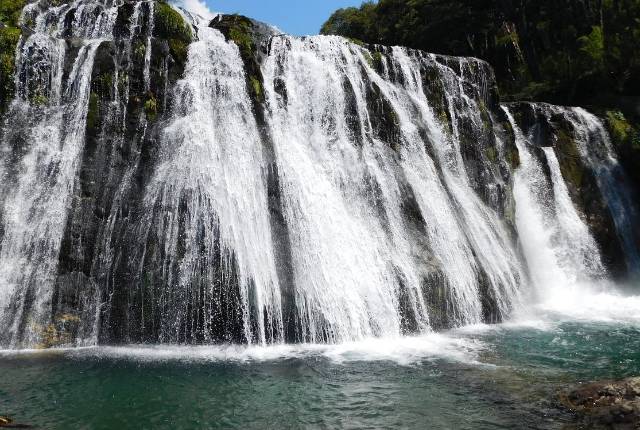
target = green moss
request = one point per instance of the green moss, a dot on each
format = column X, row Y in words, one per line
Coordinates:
column 170, row 25
column 9, row 37
column 256, row 88
column 377, row 59
column 620, row 129
column 103, row 84
column 508, row 38
column 179, row 50
column 93, row 111
column 10, row 11
column 123, row 82
column 151, row 107
column 39, row 99
column 374, row 59
column 369, row 59
column 570, row 161
column 443, row 116
column 139, row 50
column 491, row 153
column 513, row 157
column 484, row 115
column 356, row 41
column 240, row 33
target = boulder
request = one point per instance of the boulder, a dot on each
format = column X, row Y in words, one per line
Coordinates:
column 608, row 404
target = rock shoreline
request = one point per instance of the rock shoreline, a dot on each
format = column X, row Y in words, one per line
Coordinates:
column 605, row 404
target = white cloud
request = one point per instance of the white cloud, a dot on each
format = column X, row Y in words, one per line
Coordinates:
column 199, row 7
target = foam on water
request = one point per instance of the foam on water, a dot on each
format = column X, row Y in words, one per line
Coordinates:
column 401, row 350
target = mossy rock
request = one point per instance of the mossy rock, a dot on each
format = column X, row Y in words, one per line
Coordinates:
column 621, row 131
column 151, row 107
column 60, row 332
column 9, row 38
column 570, row 162
column 356, row 41
column 93, row 111
column 256, row 88
column 513, row 157
column 375, row 60
column 242, row 31
column 170, row 25
column 139, row 50
column 626, row 138
column 10, row 11
column 491, row 153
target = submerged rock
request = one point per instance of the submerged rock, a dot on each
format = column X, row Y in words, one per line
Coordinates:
column 6, row 422
column 612, row 404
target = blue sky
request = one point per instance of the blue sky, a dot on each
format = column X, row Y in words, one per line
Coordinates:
column 297, row 17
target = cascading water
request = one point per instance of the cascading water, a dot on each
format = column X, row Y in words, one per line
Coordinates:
column 595, row 148
column 42, row 173
column 344, row 188
column 327, row 193
column 558, row 247
column 208, row 197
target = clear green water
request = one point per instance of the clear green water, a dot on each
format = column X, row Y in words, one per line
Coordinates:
column 503, row 376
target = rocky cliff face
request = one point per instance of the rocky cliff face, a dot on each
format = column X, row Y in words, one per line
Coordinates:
column 167, row 179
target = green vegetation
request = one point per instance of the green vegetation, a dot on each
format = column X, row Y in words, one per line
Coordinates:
column 93, row 111
column 38, row 99
column 10, row 11
column 626, row 139
column 240, row 33
column 139, row 50
column 151, row 107
column 566, row 52
column 619, row 127
column 570, row 159
column 256, row 88
column 9, row 36
column 491, row 153
column 103, row 84
column 170, row 25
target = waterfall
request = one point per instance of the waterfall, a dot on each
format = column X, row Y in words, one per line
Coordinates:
column 34, row 209
column 558, row 246
column 308, row 190
column 595, row 148
column 209, row 191
column 343, row 187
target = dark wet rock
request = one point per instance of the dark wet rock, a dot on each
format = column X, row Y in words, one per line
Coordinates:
column 606, row 404
column 253, row 39
column 549, row 126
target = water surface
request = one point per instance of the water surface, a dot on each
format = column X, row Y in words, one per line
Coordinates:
column 479, row 377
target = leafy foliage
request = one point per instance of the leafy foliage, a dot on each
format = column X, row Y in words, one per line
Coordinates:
column 569, row 52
